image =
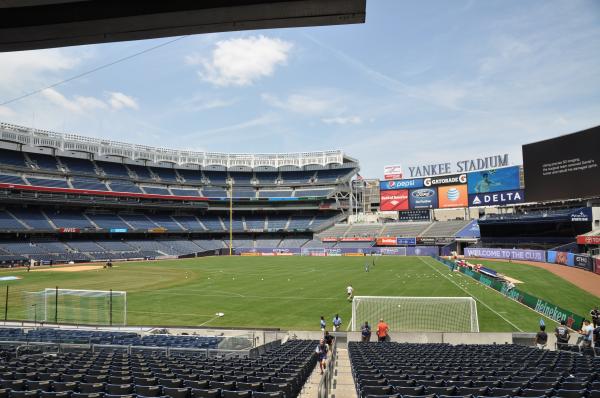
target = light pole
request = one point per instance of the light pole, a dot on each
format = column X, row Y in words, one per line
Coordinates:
column 230, row 217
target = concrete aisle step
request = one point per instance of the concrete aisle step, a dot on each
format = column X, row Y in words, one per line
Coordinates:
column 311, row 387
column 343, row 382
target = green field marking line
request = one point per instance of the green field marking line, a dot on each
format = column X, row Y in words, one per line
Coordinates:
column 475, row 298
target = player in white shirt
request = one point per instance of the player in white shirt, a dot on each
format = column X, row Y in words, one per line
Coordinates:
column 350, row 292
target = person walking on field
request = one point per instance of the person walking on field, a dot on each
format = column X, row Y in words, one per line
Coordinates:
column 382, row 331
column 322, row 324
column 350, row 292
column 337, row 322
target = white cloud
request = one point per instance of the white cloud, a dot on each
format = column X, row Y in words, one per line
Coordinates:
column 304, row 103
column 241, row 61
column 21, row 68
column 342, row 120
column 5, row 111
column 119, row 101
column 77, row 104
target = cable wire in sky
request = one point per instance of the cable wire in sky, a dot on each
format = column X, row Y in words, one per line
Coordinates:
column 89, row 72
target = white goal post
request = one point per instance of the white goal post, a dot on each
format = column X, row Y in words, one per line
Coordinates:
column 72, row 306
column 416, row 314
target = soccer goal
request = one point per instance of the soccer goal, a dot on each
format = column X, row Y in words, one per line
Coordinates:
column 88, row 307
column 416, row 314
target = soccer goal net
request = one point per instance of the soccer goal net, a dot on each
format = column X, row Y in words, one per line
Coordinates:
column 87, row 307
column 416, row 314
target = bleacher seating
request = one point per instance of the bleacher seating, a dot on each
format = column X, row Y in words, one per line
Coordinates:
column 48, row 182
column 442, row 370
column 364, row 230
column 32, row 217
column 191, row 176
column 12, row 158
column 267, row 177
column 185, row 192
column 280, row 193
column 216, row 177
column 166, row 175
column 331, row 175
column 244, row 193
column 142, row 172
column 292, row 243
column 241, row 178
column 446, row 228
column 76, row 165
column 296, row 177
column 279, row 372
column 68, row 219
column 318, row 192
column 404, row 229
column 298, row 222
column 88, row 183
column 113, row 169
column 267, row 242
column 124, row 186
column 9, row 223
column 209, row 244
column 11, row 179
column 213, row 223
column 256, row 223
column 277, row 222
column 214, row 192
column 156, row 190
column 165, row 221
column 43, row 161
column 191, row 223
column 107, row 221
column 138, row 221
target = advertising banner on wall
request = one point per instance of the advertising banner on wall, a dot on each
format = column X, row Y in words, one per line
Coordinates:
column 597, row 265
column 497, row 198
column 393, row 172
column 450, row 196
column 469, row 231
column 394, row 200
column 387, row 241
column 588, row 240
column 400, row 184
column 454, row 179
column 583, row 261
column 494, row 180
column 406, row 241
column 507, row 254
column 424, row 198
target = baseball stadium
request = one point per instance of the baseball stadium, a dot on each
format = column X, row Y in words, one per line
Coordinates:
column 130, row 270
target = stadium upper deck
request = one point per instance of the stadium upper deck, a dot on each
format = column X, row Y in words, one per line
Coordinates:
column 40, row 160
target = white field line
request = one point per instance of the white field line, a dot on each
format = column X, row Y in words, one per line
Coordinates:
column 475, row 298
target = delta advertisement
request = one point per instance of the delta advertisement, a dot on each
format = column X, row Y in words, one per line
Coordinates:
column 501, row 186
column 394, row 200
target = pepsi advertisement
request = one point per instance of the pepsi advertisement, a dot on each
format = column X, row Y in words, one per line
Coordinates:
column 494, row 180
column 400, row 184
column 424, row 198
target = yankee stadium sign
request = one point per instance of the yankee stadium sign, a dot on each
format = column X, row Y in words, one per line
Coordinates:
column 462, row 166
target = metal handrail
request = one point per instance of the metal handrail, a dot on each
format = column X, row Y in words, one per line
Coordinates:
column 326, row 381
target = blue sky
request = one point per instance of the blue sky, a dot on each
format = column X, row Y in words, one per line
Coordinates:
column 419, row 82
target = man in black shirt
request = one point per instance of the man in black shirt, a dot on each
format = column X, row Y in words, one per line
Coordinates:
column 562, row 335
column 595, row 314
column 329, row 341
column 541, row 338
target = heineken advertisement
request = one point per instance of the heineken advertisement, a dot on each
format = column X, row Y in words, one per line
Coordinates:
column 543, row 307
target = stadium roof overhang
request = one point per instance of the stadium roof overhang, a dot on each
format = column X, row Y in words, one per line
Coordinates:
column 35, row 24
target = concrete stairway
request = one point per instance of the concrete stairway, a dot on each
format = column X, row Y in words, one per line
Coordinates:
column 311, row 387
column 343, row 382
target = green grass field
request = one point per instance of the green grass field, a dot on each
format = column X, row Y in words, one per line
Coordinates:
column 292, row 292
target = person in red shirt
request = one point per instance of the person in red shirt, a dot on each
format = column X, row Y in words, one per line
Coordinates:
column 382, row 330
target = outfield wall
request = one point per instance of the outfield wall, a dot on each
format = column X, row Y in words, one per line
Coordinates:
column 345, row 251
